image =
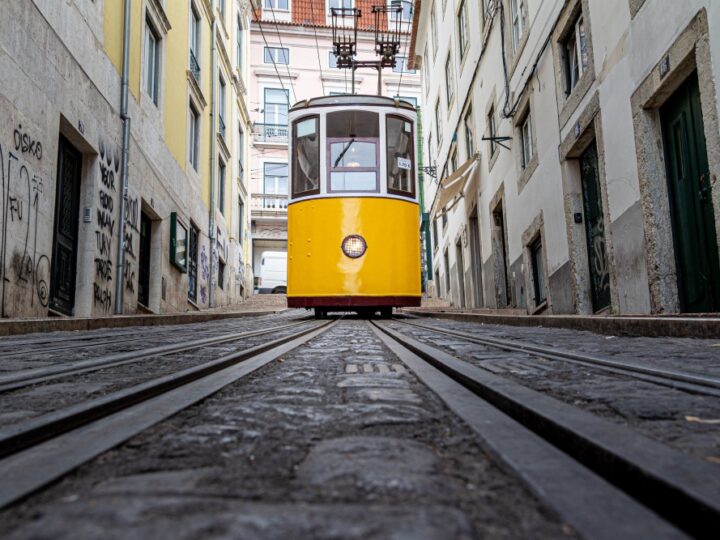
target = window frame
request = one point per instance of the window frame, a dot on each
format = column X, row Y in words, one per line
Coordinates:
column 273, row 58
column 194, row 138
column 176, row 222
column 463, row 29
column 583, row 62
column 411, row 193
column 492, row 130
column 152, row 64
column 222, row 178
column 517, row 21
column 526, row 140
column 330, row 169
column 468, row 123
column 279, row 196
column 291, row 187
column 449, row 79
column 271, row 7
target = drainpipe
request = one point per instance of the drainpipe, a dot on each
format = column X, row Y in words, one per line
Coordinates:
column 119, row 276
column 213, row 135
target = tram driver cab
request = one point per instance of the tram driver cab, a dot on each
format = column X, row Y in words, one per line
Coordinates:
column 353, row 217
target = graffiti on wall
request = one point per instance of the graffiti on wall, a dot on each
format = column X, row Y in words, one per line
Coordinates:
column 22, row 265
column 132, row 228
column 109, row 165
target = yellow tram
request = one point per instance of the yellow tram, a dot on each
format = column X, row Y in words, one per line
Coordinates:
column 353, row 217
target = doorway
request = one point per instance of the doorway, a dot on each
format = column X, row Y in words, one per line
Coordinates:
column 595, row 229
column 65, row 233
column 475, row 259
column 502, row 288
column 460, row 264
column 689, row 187
column 193, row 262
column 144, row 260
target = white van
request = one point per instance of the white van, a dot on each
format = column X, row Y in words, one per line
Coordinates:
column 273, row 273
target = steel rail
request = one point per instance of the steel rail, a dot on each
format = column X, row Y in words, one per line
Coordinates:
column 672, row 484
column 21, row 379
column 696, row 383
column 47, row 448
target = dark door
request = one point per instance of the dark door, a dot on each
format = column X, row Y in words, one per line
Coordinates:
column 693, row 220
column 460, row 273
column 67, row 202
column 501, row 271
column 192, row 263
column 144, row 263
column 595, row 229
column 475, row 259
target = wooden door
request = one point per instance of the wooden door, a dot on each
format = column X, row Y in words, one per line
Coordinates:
column 144, row 262
column 692, row 216
column 67, row 202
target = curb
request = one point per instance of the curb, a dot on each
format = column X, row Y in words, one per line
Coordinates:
column 14, row 327
column 648, row 326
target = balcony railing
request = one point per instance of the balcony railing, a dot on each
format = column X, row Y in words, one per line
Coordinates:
column 271, row 133
column 221, row 126
column 194, row 67
column 262, row 202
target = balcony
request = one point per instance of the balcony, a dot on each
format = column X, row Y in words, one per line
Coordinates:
column 221, row 126
column 194, row 67
column 270, row 133
column 268, row 205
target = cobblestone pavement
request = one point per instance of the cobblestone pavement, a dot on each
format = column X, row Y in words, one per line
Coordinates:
column 335, row 440
column 32, row 401
column 677, row 418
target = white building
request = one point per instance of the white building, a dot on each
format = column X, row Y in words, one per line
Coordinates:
column 292, row 60
column 597, row 192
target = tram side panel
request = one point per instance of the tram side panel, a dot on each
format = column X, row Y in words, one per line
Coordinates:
column 321, row 274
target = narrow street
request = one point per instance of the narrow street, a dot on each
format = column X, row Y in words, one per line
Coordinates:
column 333, row 429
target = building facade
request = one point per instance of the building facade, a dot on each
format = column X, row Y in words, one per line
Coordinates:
column 292, row 60
column 577, row 151
column 176, row 238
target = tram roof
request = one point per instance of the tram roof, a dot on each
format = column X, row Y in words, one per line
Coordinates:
column 352, row 100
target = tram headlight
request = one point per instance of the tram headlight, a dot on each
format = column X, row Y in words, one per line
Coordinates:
column 354, row 246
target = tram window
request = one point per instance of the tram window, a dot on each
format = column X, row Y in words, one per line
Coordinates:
column 400, row 156
column 306, row 161
column 353, row 124
column 353, row 138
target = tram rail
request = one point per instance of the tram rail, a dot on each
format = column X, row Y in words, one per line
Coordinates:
column 669, row 483
column 41, row 450
column 691, row 382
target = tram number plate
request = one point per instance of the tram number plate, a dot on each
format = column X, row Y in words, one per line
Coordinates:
column 404, row 163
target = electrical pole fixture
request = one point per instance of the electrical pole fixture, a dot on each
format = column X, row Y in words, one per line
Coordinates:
column 387, row 34
column 344, row 35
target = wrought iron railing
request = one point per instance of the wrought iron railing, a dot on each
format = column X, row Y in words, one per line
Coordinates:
column 268, row 201
column 194, row 66
column 221, row 126
column 271, row 133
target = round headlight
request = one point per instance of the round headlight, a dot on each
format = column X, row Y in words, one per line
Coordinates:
column 354, row 246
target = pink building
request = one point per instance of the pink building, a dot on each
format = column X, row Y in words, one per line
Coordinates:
column 292, row 60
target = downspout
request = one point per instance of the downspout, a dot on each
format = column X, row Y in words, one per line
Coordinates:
column 124, row 89
column 213, row 135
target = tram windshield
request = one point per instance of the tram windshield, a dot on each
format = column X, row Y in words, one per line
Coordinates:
column 353, row 138
column 306, row 165
column 399, row 156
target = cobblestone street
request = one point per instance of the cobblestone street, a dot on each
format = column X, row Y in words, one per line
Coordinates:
column 337, row 437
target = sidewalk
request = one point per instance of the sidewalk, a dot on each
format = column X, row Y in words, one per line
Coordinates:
column 672, row 325
column 254, row 306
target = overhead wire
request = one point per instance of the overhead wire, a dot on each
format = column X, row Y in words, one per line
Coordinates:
column 287, row 66
column 404, row 65
column 317, row 46
column 262, row 32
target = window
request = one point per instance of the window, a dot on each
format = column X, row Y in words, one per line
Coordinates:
column 194, row 137
column 339, row 4
column 433, row 30
column 275, row 182
column 195, row 43
column 444, row 219
column 575, row 55
column 276, row 4
column 446, row 260
column 400, row 166
column 306, row 148
column 239, row 52
column 538, row 272
column 454, row 160
column 241, row 152
column 404, row 14
column 469, row 136
column 277, row 55
column 526, row 140
column 491, row 130
column 463, row 33
column 178, row 243
column 435, row 233
column 276, row 107
column 449, row 78
column 221, row 187
column 353, row 138
column 401, row 65
column 222, row 10
column 426, row 65
column 241, row 219
column 332, row 59
column 152, row 62
column 193, row 262
column 517, row 14
column 221, row 105
column 438, row 127
column 221, row 274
